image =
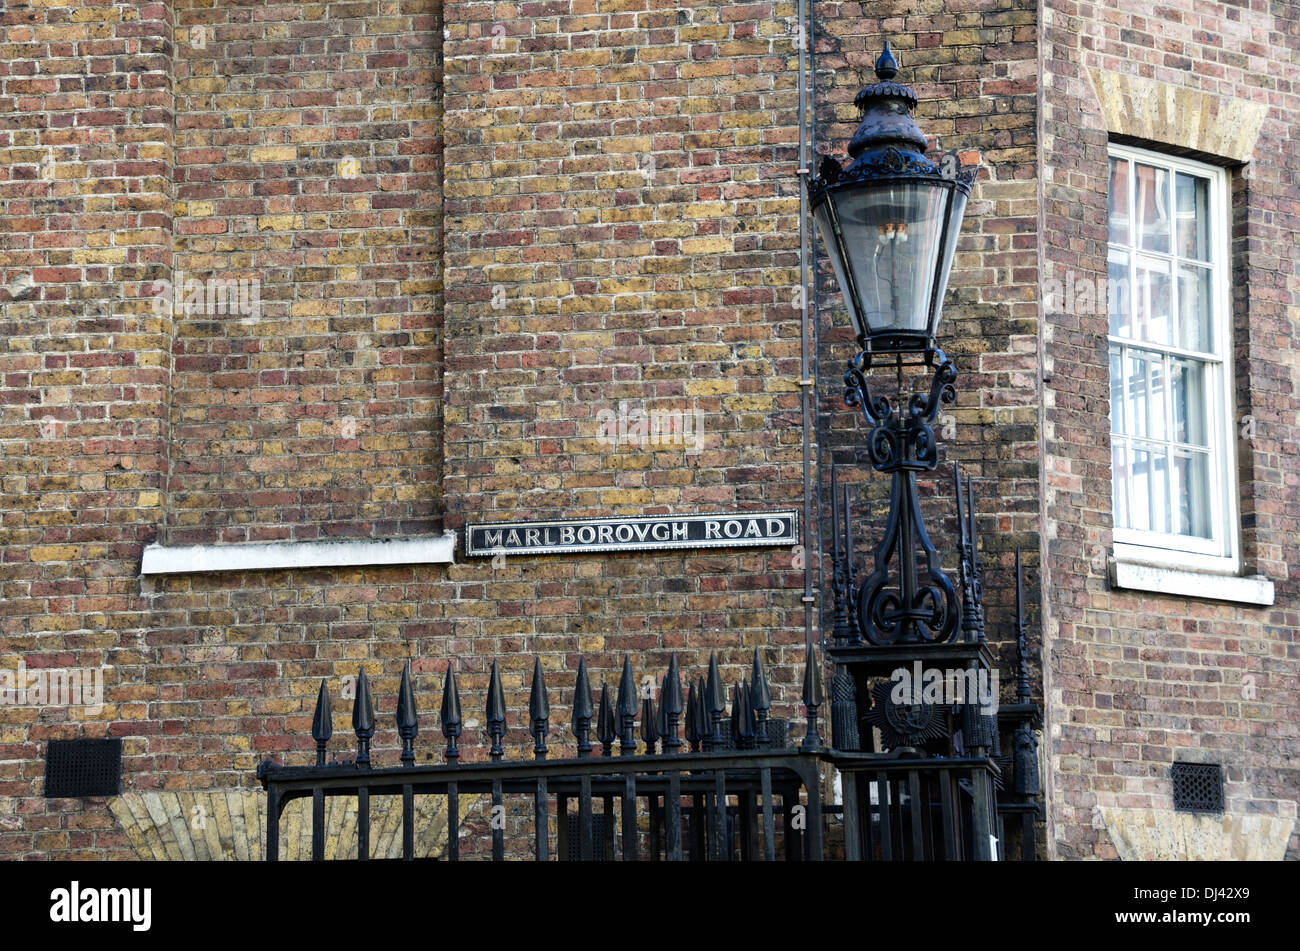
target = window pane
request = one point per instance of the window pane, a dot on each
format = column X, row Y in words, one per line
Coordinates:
column 1193, row 195
column 1151, row 206
column 1137, row 405
column 1158, row 461
column 1119, row 229
column 1140, row 501
column 1120, row 479
column 1151, row 320
column 1158, row 391
column 1195, row 307
column 1188, row 380
column 1117, row 295
column 1191, row 477
column 1116, row 391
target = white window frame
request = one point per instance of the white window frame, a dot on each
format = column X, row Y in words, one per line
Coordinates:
column 1221, row 553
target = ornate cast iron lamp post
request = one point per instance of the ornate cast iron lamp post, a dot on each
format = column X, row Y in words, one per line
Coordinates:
column 890, row 221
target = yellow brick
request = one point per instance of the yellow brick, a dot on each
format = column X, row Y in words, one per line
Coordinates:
column 54, row 553
column 277, row 153
column 710, row 387
column 707, row 245
column 277, row 222
column 200, row 209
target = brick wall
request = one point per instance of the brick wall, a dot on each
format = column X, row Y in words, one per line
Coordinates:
column 1138, row 680
column 308, row 159
column 85, row 153
column 622, row 234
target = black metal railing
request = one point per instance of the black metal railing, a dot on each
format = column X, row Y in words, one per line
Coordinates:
column 736, row 788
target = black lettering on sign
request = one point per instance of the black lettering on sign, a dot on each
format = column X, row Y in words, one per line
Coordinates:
column 634, row 533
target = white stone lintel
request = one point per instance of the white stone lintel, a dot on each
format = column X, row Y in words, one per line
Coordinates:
column 267, row 556
column 1251, row 589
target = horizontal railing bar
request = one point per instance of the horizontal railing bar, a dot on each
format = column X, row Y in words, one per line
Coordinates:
column 349, row 775
column 606, row 786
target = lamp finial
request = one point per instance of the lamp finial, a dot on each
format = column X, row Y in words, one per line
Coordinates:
column 886, row 66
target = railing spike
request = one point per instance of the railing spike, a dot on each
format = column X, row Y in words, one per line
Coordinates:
column 692, row 724
column 1023, row 694
column 670, row 706
column 745, row 719
column 582, row 710
column 539, row 710
column 363, row 718
column 649, row 728
column 496, row 713
column 851, row 572
column 812, row 696
column 450, row 713
column 408, row 721
column 716, row 701
column 702, row 723
column 736, row 701
column 627, row 710
column 606, row 728
column 322, row 722
column 761, row 699
column 841, row 632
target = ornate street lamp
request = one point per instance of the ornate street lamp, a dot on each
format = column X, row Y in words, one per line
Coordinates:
column 890, row 222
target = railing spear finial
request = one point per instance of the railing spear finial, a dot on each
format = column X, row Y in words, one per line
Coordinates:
column 670, row 705
column 606, row 729
column 649, row 724
column 496, row 713
column 450, row 713
column 717, row 702
column 539, row 711
column 702, row 726
column 761, row 695
column 812, row 697
column 1023, row 694
column 322, row 722
column 745, row 718
column 408, row 721
column 626, row 710
column 692, row 724
column 363, row 718
column 582, row 710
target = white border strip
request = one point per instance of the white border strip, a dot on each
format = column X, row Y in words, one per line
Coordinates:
column 265, row 556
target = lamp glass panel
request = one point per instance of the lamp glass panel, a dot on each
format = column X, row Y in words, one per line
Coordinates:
column 891, row 235
column 834, row 243
column 955, row 216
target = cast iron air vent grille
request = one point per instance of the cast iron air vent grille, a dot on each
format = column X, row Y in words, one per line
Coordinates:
column 1198, row 787
column 76, row 768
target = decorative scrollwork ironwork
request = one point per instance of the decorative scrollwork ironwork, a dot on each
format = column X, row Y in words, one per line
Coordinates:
column 902, row 443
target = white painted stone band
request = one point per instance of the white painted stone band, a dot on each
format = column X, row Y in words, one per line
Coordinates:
column 1253, row 589
column 265, row 556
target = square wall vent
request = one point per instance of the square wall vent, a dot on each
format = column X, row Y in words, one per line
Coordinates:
column 1198, row 787
column 79, row 768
